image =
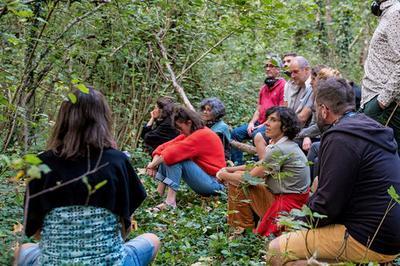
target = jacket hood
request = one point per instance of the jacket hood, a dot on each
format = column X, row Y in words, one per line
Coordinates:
column 364, row 127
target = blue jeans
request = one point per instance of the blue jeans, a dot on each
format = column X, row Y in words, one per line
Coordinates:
column 198, row 180
column 140, row 252
column 240, row 134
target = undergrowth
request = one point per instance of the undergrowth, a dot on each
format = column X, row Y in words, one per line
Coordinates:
column 196, row 233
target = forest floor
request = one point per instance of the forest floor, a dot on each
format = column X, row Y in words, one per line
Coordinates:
column 196, row 233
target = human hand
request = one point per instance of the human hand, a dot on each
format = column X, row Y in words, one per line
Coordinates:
column 250, row 128
column 155, row 113
column 306, row 143
column 219, row 173
column 381, row 105
column 151, row 170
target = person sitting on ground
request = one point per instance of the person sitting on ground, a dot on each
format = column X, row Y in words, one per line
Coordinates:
column 271, row 94
column 195, row 155
column 74, row 225
column 159, row 129
column 320, row 72
column 298, row 91
column 279, row 195
column 287, row 59
column 212, row 110
column 358, row 164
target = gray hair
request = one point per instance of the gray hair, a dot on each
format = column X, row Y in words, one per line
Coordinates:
column 217, row 107
column 302, row 62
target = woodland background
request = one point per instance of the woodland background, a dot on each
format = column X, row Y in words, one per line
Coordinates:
column 133, row 51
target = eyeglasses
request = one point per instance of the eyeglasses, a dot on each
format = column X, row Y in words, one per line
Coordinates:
column 269, row 65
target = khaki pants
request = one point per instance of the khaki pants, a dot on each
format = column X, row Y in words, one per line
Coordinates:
column 331, row 242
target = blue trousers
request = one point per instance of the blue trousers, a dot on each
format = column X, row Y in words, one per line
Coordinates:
column 240, row 134
column 198, row 180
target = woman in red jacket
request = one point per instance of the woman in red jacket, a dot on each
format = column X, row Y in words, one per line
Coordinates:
column 195, row 155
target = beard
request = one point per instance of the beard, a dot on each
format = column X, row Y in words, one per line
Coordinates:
column 322, row 125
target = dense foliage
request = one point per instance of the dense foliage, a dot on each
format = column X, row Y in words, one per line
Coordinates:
column 214, row 48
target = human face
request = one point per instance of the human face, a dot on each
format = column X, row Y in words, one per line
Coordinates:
column 287, row 60
column 271, row 71
column 274, row 125
column 299, row 75
column 206, row 113
column 322, row 114
column 184, row 127
column 156, row 112
column 314, row 83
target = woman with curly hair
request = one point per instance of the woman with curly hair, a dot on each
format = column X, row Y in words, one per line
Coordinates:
column 286, row 174
column 212, row 110
column 159, row 129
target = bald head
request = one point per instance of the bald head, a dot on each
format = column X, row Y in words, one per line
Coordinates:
column 300, row 69
column 301, row 62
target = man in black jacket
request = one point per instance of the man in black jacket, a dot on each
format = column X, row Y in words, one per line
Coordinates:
column 358, row 164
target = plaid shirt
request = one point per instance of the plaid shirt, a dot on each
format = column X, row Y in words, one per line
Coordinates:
column 382, row 67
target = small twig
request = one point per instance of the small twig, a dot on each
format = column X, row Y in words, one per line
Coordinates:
column 388, row 209
column 204, row 54
column 68, row 182
column 392, row 114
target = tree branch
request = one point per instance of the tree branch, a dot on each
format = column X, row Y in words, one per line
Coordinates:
column 178, row 88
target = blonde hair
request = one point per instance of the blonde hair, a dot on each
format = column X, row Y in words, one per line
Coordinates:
column 327, row 72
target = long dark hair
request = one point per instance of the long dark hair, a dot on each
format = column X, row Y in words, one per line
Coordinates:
column 82, row 125
column 166, row 104
column 183, row 114
column 290, row 124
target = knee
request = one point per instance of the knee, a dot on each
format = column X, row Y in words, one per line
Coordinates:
column 154, row 240
column 20, row 250
column 274, row 251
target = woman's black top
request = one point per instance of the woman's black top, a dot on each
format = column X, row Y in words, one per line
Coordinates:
column 122, row 193
column 161, row 132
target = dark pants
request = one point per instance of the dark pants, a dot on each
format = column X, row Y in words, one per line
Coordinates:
column 240, row 134
column 373, row 110
column 312, row 157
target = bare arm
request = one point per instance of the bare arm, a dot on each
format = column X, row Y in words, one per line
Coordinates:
column 304, row 115
column 151, row 168
column 236, row 178
column 253, row 120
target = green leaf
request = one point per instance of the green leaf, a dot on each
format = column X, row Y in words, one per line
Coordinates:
column 72, row 98
column 75, row 81
column 44, row 168
column 41, row 20
column 13, row 40
column 252, row 180
column 392, row 192
column 86, row 182
column 319, row 216
column 99, row 185
column 24, row 13
column 82, row 88
column 297, row 213
column 34, row 172
column 32, row 159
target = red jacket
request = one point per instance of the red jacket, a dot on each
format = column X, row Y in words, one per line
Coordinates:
column 203, row 147
column 269, row 97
